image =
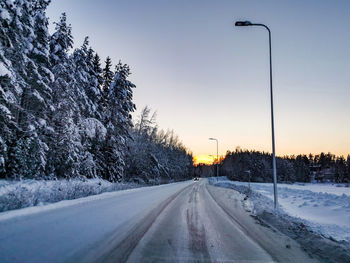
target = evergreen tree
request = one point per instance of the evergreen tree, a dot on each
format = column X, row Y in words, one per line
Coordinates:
column 301, row 167
column 27, row 53
column 107, row 75
column 347, row 175
column 96, row 64
column 82, row 80
column 120, row 95
column 66, row 148
column 8, row 91
column 118, row 116
column 88, row 95
column 63, row 116
column 340, row 169
column 155, row 156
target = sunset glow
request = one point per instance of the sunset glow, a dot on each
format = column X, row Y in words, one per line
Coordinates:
column 206, row 159
column 203, row 159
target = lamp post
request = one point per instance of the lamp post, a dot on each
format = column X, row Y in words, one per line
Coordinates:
column 248, row 23
column 217, row 155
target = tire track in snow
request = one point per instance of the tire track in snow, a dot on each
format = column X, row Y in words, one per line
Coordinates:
column 237, row 222
column 270, row 240
column 118, row 250
column 197, row 233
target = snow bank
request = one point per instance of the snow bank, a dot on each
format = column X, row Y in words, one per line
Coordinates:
column 324, row 208
column 27, row 193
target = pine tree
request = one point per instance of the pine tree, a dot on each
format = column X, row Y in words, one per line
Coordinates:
column 347, row 175
column 340, row 169
column 8, row 92
column 95, row 80
column 63, row 116
column 121, row 95
column 96, row 63
column 27, row 53
column 86, row 85
column 107, row 75
column 118, row 116
column 155, row 156
column 65, row 145
column 40, row 80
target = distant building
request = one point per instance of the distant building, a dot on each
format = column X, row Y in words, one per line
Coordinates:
column 320, row 175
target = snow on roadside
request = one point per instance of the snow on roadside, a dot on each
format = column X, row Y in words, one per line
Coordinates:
column 61, row 204
column 28, row 193
column 323, row 208
column 336, row 189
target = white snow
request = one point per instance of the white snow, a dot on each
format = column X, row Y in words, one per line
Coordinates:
column 65, row 203
column 3, row 70
column 10, row 2
column 18, row 11
column 93, row 127
column 5, row 110
column 4, row 14
column 29, row 192
column 31, row 127
column 324, row 207
column 42, row 122
column 49, row 72
column 38, row 96
column 336, row 189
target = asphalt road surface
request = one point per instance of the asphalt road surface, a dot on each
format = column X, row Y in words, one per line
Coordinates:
column 182, row 222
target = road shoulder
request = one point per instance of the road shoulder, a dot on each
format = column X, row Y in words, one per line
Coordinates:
column 281, row 247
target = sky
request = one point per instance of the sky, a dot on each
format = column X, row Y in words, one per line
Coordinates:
column 207, row 78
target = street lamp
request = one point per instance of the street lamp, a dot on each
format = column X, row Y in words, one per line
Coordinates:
column 248, row 23
column 217, row 155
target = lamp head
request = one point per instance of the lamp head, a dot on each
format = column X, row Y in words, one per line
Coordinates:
column 243, row 23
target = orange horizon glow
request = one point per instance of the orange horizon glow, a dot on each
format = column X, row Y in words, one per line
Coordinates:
column 203, row 159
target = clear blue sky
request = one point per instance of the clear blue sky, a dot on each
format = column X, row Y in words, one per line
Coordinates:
column 207, row 78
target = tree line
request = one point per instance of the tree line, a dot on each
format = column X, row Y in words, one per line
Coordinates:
column 62, row 114
column 156, row 156
column 244, row 165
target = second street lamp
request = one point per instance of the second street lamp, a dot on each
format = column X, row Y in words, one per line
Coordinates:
column 217, row 155
column 248, row 23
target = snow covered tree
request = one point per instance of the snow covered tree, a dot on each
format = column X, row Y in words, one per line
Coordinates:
column 61, row 41
column 8, row 91
column 85, row 87
column 118, row 119
column 96, row 64
column 62, row 115
column 107, row 75
column 26, row 53
column 88, row 94
column 155, row 156
column 65, row 141
column 120, row 98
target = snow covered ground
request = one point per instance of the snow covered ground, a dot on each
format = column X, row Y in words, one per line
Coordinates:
column 27, row 193
column 325, row 208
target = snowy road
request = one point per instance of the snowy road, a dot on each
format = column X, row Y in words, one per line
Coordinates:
column 181, row 222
